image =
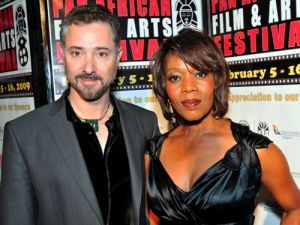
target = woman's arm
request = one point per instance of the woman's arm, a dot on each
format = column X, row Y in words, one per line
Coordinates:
column 277, row 179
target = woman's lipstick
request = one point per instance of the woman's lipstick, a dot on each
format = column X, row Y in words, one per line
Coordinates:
column 190, row 103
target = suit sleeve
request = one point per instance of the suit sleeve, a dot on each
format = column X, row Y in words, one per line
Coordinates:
column 156, row 130
column 17, row 202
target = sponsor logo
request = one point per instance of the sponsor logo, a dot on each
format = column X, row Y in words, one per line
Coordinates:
column 287, row 134
column 263, row 128
column 244, row 123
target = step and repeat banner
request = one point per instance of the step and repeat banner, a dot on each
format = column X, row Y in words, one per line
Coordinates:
column 259, row 38
column 261, row 42
column 144, row 25
column 16, row 94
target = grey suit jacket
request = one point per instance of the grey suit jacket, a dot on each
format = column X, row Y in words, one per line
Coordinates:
column 44, row 177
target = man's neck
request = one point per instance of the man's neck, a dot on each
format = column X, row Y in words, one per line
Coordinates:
column 89, row 109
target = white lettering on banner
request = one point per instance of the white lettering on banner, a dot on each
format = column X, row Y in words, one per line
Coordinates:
column 167, row 31
column 144, row 28
column 7, row 40
column 131, row 29
column 224, row 24
column 285, row 12
column 145, row 25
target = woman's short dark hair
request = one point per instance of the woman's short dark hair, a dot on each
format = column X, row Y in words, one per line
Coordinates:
column 89, row 14
column 197, row 50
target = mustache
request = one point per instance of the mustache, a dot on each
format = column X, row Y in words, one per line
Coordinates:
column 89, row 76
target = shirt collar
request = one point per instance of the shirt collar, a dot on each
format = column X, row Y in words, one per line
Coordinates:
column 71, row 115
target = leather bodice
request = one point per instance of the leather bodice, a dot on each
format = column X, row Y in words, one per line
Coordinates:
column 225, row 194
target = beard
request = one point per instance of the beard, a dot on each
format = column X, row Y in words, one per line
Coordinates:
column 91, row 92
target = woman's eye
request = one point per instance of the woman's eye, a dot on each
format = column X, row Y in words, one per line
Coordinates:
column 173, row 78
column 200, row 74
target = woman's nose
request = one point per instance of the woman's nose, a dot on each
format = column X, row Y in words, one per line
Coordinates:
column 188, row 85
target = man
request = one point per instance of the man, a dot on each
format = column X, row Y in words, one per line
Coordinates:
column 79, row 160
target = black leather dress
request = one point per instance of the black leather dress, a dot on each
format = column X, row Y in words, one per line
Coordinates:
column 226, row 194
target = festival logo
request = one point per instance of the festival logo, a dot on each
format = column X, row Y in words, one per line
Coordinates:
column 186, row 13
column 22, row 34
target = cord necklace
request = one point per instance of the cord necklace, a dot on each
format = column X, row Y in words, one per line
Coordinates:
column 94, row 122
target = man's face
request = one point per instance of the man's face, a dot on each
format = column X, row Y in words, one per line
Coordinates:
column 91, row 59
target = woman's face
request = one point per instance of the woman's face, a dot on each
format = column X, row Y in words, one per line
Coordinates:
column 191, row 92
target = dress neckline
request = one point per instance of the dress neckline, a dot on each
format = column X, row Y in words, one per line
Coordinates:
column 207, row 170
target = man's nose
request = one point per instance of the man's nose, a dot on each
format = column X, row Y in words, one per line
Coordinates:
column 89, row 65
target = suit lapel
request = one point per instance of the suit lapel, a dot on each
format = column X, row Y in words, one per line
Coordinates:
column 68, row 145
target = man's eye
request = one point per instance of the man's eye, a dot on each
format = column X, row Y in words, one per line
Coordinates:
column 102, row 54
column 75, row 53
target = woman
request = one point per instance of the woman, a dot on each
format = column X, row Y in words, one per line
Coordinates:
column 208, row 169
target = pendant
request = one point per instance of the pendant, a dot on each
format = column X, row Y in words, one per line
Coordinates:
column 94, row 124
